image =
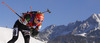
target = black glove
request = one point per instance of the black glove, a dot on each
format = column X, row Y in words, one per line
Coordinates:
column 34, row 32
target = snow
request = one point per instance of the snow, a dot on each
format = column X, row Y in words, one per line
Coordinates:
column 83, row 34
column 6, row 35
column 97, row 17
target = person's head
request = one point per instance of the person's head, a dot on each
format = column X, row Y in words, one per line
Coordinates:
column 39, row 17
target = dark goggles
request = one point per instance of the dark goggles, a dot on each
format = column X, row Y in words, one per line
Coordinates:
column 39, row 20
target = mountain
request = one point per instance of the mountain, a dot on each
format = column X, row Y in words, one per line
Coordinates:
column 74, row 39
column 87, row 31
column 6, row 35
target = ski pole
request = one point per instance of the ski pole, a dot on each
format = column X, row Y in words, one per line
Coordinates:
column 11, row 9
column 16, row 14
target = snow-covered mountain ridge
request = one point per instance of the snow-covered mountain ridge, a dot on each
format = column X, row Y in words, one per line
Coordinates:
column 87, row 28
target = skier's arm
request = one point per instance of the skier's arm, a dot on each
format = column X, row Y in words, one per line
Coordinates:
column 34, row 31
column 38, row 27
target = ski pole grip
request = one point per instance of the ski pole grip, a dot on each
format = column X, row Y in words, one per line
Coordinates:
column 2, row 2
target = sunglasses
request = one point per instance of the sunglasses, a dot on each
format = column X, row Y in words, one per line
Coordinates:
column 39, row 20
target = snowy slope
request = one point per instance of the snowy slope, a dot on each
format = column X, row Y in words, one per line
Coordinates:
column 6, row 35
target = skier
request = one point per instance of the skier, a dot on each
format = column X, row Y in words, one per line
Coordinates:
column 30, row 21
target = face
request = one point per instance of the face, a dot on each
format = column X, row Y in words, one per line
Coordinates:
column 36, row 21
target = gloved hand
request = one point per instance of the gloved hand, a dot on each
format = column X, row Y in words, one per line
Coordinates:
column 34, row 32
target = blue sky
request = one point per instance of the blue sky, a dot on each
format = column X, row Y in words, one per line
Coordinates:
column 63, row 11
